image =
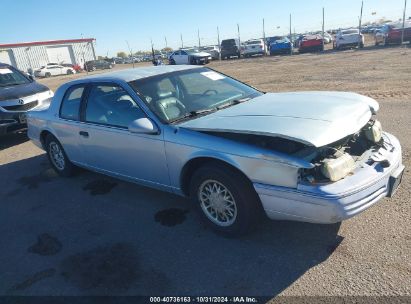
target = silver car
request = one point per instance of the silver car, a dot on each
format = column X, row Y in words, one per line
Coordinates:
column 237, row 152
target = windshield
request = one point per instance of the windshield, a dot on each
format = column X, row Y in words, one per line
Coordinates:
column 186, row 94
column 11, row 77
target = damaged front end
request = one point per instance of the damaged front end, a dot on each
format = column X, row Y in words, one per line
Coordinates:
column 338, row 160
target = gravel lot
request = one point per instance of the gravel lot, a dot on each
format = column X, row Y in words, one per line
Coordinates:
column 95, row 235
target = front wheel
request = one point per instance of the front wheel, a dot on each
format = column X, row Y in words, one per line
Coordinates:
column 225, row 199
column 58, row 158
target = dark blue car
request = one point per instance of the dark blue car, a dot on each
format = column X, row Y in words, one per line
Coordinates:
column 19, row 93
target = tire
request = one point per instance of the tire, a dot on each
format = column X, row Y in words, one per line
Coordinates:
column 361, row 45
column 58, row 158
column 69, row 72
column 172, row 62
column 384, row 42
column 244, row 203
column 47, row 75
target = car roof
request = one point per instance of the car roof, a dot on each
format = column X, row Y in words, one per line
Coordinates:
column 138, row 73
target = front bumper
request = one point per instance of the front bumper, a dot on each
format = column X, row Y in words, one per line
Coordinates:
column 334, row 202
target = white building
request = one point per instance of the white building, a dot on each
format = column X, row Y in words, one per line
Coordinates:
column 36, row 54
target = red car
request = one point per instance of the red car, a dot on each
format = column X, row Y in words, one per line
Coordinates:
column 311, row 43
column 392, row 32
column 75, row 67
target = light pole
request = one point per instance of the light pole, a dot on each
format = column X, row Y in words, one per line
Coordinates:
column 403, row 22
column 359, row 26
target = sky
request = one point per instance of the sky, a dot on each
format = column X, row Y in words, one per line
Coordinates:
column 112, row 23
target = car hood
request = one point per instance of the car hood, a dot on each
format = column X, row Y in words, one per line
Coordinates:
column 22, row 90
column 312, row 118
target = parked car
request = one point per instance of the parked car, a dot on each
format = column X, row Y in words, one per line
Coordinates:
column 189, row 56
column 213, row 50
column 391, row 33
column 310, row 43
column 282, row 45
column 348, row 39
column 75, row 67
column 318, row 157
column 328, row 38
column 230, row 48
column 254, row 47
column 19, row 93
column 53, row 70
column 97, row 65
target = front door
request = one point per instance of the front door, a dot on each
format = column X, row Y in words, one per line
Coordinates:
column 110, row 147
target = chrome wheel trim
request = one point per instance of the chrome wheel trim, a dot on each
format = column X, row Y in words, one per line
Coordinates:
column 57, row 156
column 217, row 203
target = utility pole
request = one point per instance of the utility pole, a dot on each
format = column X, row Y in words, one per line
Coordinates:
column 198, row 35
column 165, row 39
column 403, row 22
column 291, row 49
column 181, row 37
column 239, row 41
column 131, row 53
column 359, row 26
column 264, row 36
column 323, row 29
column 219, row 46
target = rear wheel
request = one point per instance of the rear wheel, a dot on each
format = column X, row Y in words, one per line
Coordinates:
column 69, row 72
column 225, row 199
column 58, row 158
column 47, row 75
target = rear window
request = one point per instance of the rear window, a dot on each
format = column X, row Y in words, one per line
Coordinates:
column 70, row 107
column 228, row 42
column 349, row 32
column 253, row 42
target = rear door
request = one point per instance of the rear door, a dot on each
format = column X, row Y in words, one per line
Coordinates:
column 110, row 147
column 184, row 58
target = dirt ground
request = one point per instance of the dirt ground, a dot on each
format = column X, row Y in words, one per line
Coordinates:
column 366, row 255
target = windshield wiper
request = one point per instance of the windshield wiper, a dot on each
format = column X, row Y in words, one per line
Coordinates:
column 233, row 102
column 194, row 114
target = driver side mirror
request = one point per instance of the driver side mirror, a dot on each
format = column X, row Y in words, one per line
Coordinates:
column 143, row 126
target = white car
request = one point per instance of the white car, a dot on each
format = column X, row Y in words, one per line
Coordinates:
column 348, row 38
column 53, row 70
column 189, row 56
column 213, row 50
column 254, row 47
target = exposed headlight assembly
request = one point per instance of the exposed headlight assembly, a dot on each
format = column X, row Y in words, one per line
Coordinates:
column 373, row 131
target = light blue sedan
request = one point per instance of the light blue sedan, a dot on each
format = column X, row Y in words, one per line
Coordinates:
column 237, row 152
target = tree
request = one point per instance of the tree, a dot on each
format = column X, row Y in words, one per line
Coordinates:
column 167, row 49
column 121, row 54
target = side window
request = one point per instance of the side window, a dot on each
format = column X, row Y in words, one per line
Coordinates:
column 71, row 103
column 183, row 53
column 111, row 105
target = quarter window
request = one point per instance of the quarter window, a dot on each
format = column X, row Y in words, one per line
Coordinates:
column 71, row 103
column 111, row 105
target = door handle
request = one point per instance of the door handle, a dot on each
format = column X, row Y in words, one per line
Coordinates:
column 83, row 133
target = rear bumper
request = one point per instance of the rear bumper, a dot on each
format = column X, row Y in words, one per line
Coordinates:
column 334, row 202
